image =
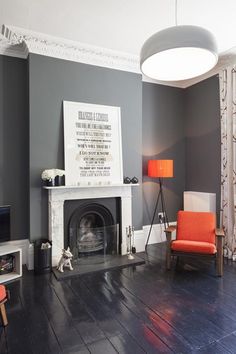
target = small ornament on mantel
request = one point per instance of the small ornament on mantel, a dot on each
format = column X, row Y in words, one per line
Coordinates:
column 65, row 260
column 53, row 177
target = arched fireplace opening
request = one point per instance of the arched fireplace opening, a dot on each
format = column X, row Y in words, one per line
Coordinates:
column 92, row 231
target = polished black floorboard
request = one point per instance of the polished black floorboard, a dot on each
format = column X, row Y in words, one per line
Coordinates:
column 140, row 309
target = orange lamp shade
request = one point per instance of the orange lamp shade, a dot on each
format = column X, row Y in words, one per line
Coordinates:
column 160, row 168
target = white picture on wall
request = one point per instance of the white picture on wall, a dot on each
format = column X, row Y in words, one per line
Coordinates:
column 92, row 144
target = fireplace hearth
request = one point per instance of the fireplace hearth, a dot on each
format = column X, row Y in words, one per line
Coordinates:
column 94, row 264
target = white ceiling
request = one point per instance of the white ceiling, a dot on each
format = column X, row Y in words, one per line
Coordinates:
column 121, row 25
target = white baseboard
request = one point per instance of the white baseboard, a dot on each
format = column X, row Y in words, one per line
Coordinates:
column 23, row 244
column 139, row 240
column 157, row 235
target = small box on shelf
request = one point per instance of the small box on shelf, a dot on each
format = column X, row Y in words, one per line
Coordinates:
column 17, row 254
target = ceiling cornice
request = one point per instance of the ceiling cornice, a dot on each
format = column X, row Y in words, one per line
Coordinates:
column 43, row 44
column 17, row 50
column 19, row 42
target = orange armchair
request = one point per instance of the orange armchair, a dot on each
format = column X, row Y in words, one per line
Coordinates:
column 4, row 295
column 196, row 235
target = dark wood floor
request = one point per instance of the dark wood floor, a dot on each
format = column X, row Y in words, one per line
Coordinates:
column 133, row 310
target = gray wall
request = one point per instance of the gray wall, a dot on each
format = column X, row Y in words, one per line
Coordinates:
column 163, row 138
column 183, row 125
column 202, row 130
column 169, row 115
column 50, row 82
column 14, row 134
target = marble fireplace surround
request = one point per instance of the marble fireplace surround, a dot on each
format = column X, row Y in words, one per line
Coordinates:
column 57, row 197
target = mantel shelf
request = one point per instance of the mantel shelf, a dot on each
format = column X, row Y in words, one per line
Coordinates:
column 92, row 186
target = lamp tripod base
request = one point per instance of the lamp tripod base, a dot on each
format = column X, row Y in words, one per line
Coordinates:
column 160, row 196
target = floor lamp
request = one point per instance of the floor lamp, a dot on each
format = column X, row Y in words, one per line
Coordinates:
column 159, row 169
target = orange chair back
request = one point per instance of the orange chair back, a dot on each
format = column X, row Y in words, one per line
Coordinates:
column 196, row 226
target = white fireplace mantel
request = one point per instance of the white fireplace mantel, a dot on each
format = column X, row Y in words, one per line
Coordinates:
column 57, row 197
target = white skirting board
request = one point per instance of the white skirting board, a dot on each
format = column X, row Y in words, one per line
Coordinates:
column 23, row 244
column 157, row 235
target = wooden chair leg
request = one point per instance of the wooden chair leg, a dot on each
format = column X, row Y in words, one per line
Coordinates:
column 3, row 314
column 219, row 257
column 168, row 233
column 168, row 259
column 168, row 250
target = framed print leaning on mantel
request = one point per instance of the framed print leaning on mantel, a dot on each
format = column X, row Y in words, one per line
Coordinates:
column 92, row 144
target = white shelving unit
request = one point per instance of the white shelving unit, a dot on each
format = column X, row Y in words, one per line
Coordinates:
column 17, row 252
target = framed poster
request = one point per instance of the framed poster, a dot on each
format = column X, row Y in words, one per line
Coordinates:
column 92, row 144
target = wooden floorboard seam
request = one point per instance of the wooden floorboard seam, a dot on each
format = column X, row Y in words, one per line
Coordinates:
column 176, row 328
column 161, row 315
column 155, row 334
column 116, row 319
column 158, row 315
column 84, row 343
column 121, row 323
column 67, row 313
column 149, row 325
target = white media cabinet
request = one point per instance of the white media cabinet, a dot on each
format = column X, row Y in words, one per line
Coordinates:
column 17, row 252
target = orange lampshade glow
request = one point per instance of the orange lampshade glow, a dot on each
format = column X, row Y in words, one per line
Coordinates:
column 160, row 168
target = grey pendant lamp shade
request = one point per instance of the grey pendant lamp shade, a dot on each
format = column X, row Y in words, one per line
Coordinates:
column 178, row 53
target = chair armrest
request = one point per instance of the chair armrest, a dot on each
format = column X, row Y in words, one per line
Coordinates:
column 220, row 233
column 170, row 229
column 168, row 232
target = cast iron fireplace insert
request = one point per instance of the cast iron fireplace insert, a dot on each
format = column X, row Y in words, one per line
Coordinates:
column 92, row 227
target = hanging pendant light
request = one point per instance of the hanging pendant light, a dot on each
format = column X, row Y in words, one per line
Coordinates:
column 178, row 53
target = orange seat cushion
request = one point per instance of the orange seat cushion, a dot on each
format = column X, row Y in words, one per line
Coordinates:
column 193, row 247
column 3, row 293
column 196, row 226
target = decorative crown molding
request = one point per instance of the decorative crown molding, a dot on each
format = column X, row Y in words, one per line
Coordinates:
column 19, row 42
column 17, row 50
column 44, row 44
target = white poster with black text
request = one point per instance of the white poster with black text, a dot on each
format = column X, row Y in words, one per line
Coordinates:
column 92, row 144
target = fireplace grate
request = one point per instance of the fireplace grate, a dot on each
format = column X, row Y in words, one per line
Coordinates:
column 91, row 240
